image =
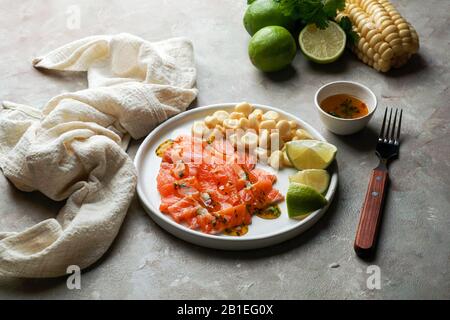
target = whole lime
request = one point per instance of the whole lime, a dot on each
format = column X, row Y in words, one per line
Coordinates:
column 263, row 13
column 272, row 48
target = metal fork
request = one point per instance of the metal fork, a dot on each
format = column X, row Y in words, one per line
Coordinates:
column 387, row 149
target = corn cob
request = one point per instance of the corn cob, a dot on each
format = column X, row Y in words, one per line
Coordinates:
column 386, row 40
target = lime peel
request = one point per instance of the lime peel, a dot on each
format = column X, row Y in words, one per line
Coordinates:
column 301, row 200
column 272, row 48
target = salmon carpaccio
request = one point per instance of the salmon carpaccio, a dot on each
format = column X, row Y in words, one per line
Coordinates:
column 210, row 187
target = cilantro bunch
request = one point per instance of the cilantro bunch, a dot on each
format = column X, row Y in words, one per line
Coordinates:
column 318, row 12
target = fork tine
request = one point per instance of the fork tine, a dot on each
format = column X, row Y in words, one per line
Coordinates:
column 386, row 136
column 392, row 136
column 399, row 125
column 382, row 126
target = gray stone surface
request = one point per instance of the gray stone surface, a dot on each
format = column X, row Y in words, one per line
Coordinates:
column 147, row 262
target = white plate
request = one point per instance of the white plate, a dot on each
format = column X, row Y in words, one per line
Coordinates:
column 261, row 232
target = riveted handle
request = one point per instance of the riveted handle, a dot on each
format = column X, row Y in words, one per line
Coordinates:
column 369, row 221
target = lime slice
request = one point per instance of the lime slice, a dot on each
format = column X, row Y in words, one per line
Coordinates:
column 317, row 179
column 301, row 200
column 310, row 154
column 322, row 46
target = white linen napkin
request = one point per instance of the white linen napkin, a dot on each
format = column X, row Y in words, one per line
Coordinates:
column 74, row 147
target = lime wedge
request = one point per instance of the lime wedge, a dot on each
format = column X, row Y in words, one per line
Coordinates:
column 301, row 200
column 322, row 46
column 317, row 179
column 310, row 154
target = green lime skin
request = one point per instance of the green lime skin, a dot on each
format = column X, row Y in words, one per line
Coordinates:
column 272, row 48
column 263, row 13
column 301, row 200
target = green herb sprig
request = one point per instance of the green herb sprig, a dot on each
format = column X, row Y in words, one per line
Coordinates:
column 312, row 11
column 319, row 12
column 346, row 25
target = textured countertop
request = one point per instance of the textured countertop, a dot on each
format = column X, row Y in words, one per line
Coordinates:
column 147, row 262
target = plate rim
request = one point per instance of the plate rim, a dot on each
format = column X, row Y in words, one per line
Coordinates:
column 159, row 217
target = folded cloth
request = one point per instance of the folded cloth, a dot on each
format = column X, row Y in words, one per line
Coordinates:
column 74, row 147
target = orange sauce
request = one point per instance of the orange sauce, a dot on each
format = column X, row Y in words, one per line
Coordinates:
column 270, row 213
column 163, row 147
column 344, row 106
column 236, row 231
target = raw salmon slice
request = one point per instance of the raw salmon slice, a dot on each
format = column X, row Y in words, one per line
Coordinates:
column 207, row 186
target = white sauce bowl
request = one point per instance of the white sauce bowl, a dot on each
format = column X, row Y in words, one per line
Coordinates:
column 345, row 126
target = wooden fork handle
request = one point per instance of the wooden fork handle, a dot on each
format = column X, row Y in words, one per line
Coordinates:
column 369, row 221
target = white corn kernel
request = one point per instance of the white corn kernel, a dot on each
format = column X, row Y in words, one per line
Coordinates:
column 262, row 154
column 221, row 115
column 253, row 121
column 217, row 133
column 244, row 107
column 237, row 115
column 283, row 127
column 303, row 135
column 275, row 159
column 231, row 123
column 211, row 121
column 264, row 139
column 288, row 137
column 244, row 123
column 250, row 139
column 275, row 141
column 293, row 124
column 267, row 124
column 259, row 113
column 233, row 139
column 271, row 115
column 198, row 128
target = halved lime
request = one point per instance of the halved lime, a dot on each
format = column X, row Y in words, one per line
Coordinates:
column 322, row 46
column 301, row 200
column 310, row 154
column 317, row 179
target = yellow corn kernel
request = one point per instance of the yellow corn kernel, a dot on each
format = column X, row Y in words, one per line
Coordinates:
column 386, row 39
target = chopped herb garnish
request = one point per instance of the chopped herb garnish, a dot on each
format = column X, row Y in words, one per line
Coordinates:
column 178, row 185
column 348, row 108
column 271, row 212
